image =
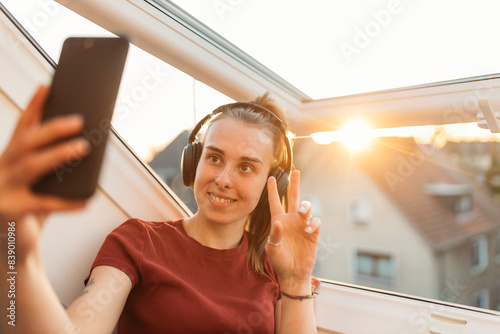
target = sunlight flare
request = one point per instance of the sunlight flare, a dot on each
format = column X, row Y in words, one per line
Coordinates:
column 355, row 134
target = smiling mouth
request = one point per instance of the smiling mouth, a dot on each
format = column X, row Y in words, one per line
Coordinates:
column 221, row 200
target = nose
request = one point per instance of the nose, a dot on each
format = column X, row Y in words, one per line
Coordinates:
column 224, row 179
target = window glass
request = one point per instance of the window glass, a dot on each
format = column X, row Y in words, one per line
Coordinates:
column 374, row 266
column 497, row 296
column 385, row 267
column 433, row 207
column 336, row 48
column 156, row 104
column 360, row 211
column 479, row 254
column 423, row 199
column 481, row 299
column 365, row 264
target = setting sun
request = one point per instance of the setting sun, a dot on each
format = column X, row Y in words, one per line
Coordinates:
column 355, row 134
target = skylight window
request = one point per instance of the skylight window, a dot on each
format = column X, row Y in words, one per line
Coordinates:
column 398, row 180
column 331, row 48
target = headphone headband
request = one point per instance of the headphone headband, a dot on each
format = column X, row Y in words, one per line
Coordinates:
column 220, row 109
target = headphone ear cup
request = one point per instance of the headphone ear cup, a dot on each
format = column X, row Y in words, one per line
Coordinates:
column 189, row 161
column 281, row 181
column 282, row 184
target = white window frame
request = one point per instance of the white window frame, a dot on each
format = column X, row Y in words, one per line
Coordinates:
column 483, row 296
column 23, row 68
column 339, row 306
column 360, row 211
column 497, row 248
column 210, row 59
column 481, row 242
column 346, row 308
column 497, row 295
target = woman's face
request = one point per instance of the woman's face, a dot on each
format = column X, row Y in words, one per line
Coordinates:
column 232, row 171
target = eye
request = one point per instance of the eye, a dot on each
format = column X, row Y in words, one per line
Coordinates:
column 246, row 168
column 213, row 159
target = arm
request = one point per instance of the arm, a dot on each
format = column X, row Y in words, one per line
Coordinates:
column 25, row 159
column 96, row 310
column 292, row 252
column 100, row 304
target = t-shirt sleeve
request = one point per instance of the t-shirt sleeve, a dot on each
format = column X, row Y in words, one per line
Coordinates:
column 123, row 249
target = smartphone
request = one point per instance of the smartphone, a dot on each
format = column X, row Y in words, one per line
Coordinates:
column 86, row 81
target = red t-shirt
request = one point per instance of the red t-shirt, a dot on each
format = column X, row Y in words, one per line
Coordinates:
column 182, row 286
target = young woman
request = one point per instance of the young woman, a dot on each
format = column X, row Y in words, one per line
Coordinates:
column 240, row 264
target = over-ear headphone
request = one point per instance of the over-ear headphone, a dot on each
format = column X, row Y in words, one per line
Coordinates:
column 192, row 152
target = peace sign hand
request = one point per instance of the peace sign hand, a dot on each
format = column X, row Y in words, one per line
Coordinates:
column 292, row 244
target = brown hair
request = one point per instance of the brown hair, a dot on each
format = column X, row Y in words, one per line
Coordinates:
column 259, row 221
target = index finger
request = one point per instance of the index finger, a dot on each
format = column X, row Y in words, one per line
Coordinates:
column 33, row 112
column 273, row 197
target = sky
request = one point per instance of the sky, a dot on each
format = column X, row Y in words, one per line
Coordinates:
column 325, row 48
column 331, row 48
column 156, row 101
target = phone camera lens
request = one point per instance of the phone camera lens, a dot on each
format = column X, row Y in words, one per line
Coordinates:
column 88, row 43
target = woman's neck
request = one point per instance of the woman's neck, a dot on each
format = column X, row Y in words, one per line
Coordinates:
column 213, row 235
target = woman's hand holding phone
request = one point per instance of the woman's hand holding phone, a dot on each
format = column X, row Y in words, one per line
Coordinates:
column 29, row 156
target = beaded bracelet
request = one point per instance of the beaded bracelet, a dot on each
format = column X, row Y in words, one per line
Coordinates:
column 313, row 295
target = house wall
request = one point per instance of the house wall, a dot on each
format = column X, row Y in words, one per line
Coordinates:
column 460, row 281
column 331, row 191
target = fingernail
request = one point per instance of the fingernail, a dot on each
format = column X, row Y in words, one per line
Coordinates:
column 83, row 146
column 76, row 119
column 308, row 229
column 302, row 209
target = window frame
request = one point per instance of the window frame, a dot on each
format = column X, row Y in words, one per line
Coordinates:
column 29, row 66
column 207, row 57
column 483, row 296
column 479, row 243
column 377, row 253
column 360, row 211
column 337, row 300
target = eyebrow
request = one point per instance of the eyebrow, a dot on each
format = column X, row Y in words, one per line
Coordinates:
column 244, row 158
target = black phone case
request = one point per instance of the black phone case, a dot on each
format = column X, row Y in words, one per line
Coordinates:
column 86, row 81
